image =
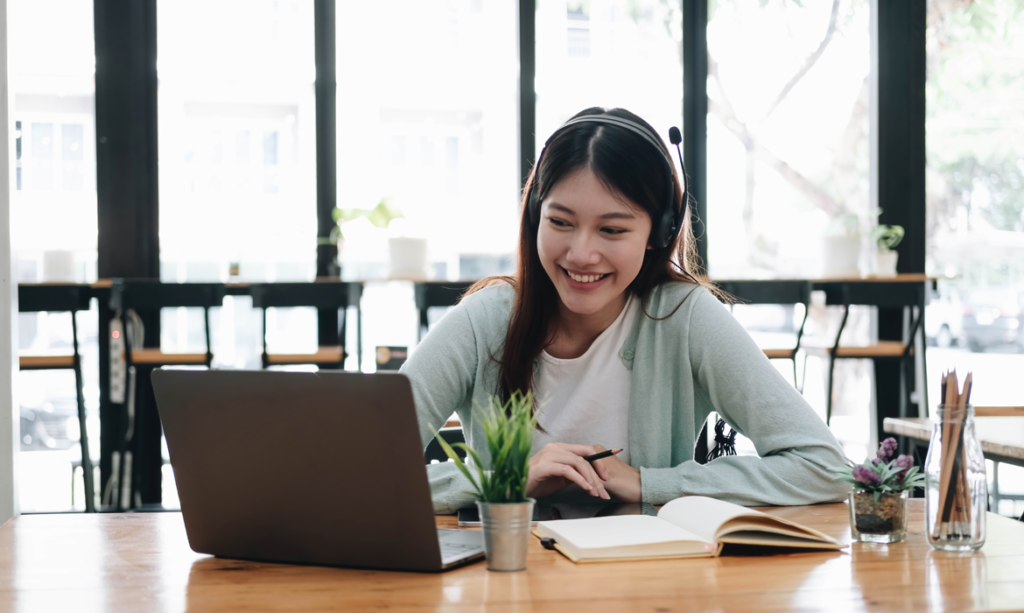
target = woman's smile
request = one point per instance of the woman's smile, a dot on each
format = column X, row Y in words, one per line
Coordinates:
column 586, row 281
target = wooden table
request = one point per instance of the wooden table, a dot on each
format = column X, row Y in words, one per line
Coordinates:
column 1001, row 438
column 141, row 562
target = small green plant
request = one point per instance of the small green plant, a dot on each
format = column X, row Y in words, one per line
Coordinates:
column 887, row 237
column 883, row 474
column 508, row 430
column 380, row 216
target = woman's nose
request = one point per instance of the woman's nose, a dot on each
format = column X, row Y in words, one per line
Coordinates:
column 582, row 249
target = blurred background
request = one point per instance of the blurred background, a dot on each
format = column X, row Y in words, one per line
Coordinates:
column 429, row 121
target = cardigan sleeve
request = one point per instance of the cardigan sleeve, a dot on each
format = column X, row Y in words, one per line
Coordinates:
column 797, row 450
column 442, row 371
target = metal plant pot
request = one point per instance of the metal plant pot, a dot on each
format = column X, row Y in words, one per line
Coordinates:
column 506, row 533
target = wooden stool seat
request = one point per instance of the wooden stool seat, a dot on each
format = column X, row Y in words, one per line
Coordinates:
column 323, row 355
column 881, row 349
column 779, row 354
column 46, row 361
column 155, row 356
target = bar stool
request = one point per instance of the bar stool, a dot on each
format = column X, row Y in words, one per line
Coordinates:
column 142, row 429
column 911, row 298
column 321, row 295
column 63, row 298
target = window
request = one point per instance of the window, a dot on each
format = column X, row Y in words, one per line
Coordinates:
column 427, row 108
column 609, row 53
column 53, row 204
column 53, row 219
column 787, row 133
column 427, row 121
column 237, row 165
column 237, row 140
column 975, row 203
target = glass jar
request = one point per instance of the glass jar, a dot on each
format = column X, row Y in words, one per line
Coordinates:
column 956, row 487
column 878, row 521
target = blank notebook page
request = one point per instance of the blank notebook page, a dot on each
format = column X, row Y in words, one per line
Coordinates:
column 619, row 531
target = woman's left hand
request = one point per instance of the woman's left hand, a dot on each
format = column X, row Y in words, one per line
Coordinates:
column 620, row 479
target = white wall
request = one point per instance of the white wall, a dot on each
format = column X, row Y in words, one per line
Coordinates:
column 10, row 425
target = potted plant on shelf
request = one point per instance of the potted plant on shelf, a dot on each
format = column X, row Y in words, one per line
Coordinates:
column 887, row 238
column 878, row 503
column 379, row 216
column 505, row 510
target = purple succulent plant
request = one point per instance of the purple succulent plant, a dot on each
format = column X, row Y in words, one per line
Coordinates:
column 887, row 449
column 865, row 475
column 904, row 462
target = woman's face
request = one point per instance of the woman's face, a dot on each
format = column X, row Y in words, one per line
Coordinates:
column 591, row 243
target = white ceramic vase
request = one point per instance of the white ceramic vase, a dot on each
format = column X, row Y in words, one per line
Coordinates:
column 840, row 256
column 407, row 258
column 886, row 263
column 59, row 266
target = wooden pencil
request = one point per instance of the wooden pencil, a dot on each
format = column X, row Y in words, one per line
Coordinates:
column 945, row 438
column 965, row 490
column 951, row 515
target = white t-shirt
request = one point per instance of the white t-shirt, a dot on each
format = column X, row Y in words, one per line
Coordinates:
column 585, row 400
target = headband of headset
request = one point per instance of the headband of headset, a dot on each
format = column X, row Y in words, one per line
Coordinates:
column 664, row 230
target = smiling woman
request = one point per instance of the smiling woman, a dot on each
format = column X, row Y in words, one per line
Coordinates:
column 623, row 344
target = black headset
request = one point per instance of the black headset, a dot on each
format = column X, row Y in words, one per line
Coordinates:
column 667, row 228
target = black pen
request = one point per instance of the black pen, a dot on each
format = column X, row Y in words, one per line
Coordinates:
column 604, row 454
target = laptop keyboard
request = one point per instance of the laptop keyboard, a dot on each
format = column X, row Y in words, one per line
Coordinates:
column 459, row 543
column 450, row 550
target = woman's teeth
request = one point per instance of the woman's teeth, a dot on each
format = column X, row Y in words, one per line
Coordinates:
column 584, row 278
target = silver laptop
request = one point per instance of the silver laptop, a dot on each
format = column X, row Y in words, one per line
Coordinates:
column 307, row 468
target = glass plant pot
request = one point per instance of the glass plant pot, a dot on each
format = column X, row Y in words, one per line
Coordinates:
column 884, row 521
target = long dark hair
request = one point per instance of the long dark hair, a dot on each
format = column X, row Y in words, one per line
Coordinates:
column 626, row 164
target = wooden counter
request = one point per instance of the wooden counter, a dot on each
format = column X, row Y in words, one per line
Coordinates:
column 142, row 562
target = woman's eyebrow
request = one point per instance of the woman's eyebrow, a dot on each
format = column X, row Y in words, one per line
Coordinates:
column 612, row 215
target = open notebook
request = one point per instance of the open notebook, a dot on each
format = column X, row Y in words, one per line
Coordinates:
column 692, row 526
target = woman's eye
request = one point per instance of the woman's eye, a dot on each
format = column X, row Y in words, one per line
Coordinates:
column 558, row 223
column 613, row 231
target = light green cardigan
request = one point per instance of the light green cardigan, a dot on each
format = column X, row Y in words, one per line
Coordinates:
column 683, row 367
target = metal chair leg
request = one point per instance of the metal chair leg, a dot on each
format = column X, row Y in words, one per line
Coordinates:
column 832, row 364
column 828, row 399
column 83, row 439
column 803, row 375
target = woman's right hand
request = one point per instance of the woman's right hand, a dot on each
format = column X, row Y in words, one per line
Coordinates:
column 557, row 465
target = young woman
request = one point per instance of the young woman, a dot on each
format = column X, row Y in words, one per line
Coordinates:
column 625, row 346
